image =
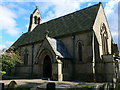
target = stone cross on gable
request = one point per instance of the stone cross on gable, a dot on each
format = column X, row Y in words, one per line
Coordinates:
column 36, row 7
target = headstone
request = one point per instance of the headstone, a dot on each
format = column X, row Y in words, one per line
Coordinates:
column 1, row 86
column 12, row 85
column 51, row 86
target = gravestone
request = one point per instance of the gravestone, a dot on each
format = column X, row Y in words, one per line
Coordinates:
column 1, row 86
column 51, row 86
column 12, row 85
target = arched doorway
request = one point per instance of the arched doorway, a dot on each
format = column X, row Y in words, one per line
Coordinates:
column 47, row 67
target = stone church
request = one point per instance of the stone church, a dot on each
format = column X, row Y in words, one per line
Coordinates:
column 77, row 46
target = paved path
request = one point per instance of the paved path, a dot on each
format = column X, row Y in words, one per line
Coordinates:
column 42, row 83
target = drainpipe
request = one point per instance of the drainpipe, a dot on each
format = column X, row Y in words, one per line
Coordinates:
column 93, row 62
column 32, row 60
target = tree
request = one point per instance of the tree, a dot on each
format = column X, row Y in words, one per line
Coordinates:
column 9, row 60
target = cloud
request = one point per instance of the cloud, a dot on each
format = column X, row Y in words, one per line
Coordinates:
column 89, row 4
column 0, row 37
column 65, row 8
column 111, row 11
column 58, row 8
column 9, row 43
column 53, row 0
column 109, row 8
column 114, row 34
column 21, row 11
column 2, row 46
column 8, row 23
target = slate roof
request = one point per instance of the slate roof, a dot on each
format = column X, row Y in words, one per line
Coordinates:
column 66, row 25
column 59, row 48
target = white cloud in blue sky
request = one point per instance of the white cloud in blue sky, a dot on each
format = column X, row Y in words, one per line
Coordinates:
column 15, row 15
column 111, row 11
column 53, row 9
column 8, row 23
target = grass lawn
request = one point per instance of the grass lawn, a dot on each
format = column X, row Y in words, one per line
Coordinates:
column 83, row 87
column 23, row 87
column 20, row 88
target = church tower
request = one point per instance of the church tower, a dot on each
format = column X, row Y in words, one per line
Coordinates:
column 35, row 19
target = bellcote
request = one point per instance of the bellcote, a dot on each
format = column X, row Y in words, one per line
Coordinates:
column 35, row 19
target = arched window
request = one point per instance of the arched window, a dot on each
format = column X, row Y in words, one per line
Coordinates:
column 104, row 37
column 26, row 57
column 35, row 20
column 38, row 20
column 80, row 51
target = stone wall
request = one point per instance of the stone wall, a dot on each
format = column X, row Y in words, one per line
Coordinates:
column 86, row 39
column 26, row 70
column 106, row 69
column 84, row 72
column 75, row 67
column 22, row 71
column 67, row 69
column 109, row 66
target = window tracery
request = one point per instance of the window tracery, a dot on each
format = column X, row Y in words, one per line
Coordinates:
column 104, row 37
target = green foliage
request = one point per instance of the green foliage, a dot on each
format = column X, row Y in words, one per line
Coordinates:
column 82, row 87
column 20, row 88
column 23, row 87
column 118, row 87
column 2, row 72
column 9, row 60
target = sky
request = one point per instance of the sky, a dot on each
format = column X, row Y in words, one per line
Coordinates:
column 15, row 15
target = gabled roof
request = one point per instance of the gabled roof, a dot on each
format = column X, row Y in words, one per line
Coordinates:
column 59, row 48
column 78, row 21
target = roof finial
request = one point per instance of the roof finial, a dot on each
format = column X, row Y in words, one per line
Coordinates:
column 100, row 2
column 46, row 33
